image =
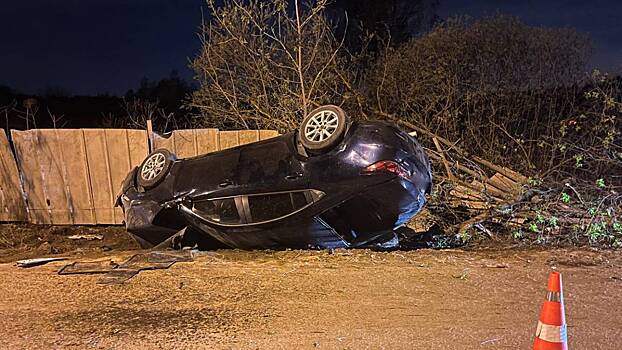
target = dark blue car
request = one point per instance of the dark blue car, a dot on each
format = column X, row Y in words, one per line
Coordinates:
column 331, row 184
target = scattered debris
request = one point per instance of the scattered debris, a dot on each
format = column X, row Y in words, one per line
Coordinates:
column 139, row 262
column 87, row 267
column 493, row 340
column 463, row 275
column 37, row 261
column 88, row 237
column 497, row 266
column 120, row 275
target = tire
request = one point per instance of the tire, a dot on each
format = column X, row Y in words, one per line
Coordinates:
column 323, row 128
column 154, row 168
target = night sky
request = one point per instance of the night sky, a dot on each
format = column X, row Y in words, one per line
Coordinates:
column 108, row 46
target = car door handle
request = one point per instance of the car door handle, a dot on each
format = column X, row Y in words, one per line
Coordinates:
column 226, row 183
column 293, row 176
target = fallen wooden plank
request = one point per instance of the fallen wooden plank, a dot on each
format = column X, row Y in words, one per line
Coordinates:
column 500, row 181
column 495, row 191
column 513, row 175
column 37, row 261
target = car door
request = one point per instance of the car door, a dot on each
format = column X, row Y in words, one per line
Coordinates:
column 210, row 175
column 270, row 166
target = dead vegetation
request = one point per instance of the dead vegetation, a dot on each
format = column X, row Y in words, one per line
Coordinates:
column 24, row 241
column 521, row 137
column 265, row 64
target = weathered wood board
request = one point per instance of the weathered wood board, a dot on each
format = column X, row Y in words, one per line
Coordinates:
column 12, row 204
column 193, row 142
column 71, row 176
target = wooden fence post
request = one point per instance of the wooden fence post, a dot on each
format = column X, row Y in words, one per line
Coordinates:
column 150, row 135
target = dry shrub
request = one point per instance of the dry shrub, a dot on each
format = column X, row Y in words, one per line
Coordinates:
column 265, row 64
column 496, row 85
column 587, row 145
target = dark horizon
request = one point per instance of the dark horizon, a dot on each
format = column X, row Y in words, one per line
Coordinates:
column 108, row 47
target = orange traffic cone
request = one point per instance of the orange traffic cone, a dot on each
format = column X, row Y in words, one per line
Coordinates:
column 551, row 333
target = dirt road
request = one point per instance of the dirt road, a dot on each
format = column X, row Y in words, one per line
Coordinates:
column 422, row 299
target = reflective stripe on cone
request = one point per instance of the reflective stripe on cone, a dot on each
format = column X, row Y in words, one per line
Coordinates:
column 551, row 334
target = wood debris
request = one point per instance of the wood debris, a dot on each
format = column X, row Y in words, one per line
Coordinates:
column 486, row 190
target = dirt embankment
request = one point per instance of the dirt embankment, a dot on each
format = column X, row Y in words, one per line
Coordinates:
column 357, row 299
column 23, row 241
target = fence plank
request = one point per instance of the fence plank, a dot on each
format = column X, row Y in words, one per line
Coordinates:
column 267, row 134
column 228, row 139
column 138, row 147
column 76, row 175
column 163, row 142
column 12, row 205
column 119, row 162
column 248, row 136
column 25, row 151
column 207, row 140
column 185, row 143
column 50, row 157
column 99, row 175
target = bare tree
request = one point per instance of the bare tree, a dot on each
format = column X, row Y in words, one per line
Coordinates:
column 265, row 64
column 137, row 111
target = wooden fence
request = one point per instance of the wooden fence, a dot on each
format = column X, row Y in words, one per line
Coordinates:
column 192, row 142
column 12, row 206
column 71, row 176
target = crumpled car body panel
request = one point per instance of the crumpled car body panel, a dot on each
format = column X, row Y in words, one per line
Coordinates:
column 267, row 195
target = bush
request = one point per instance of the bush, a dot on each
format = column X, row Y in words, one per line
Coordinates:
column 495, row 84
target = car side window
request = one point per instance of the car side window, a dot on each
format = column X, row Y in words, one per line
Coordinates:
column 223, row 211
column 255, row 208
column 267, row 207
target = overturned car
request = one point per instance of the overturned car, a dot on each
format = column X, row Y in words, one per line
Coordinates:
column 331, row 184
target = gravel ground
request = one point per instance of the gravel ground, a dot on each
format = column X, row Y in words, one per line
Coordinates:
column 357, row 299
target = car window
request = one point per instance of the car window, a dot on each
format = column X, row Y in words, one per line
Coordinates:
column 300, row 199
column 223, row 211
column 272, row 206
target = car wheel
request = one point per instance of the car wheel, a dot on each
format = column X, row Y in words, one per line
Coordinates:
column 154, row 168
column 323, row 128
